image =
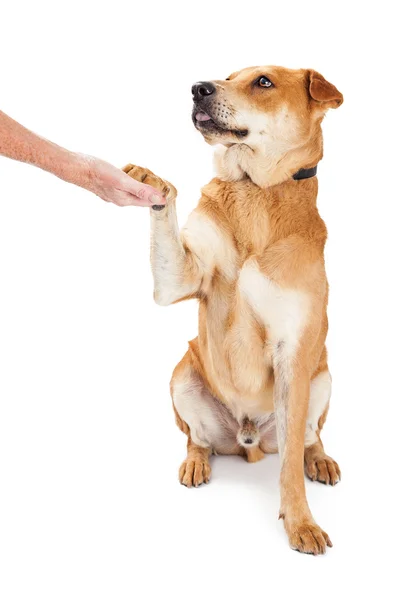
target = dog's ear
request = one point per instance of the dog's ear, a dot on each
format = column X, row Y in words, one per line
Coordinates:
column 322, row 92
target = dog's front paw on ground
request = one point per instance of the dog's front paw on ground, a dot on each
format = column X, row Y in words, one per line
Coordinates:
column 146, row 176
column 322, row 468
column 308, row 537
column 194, row 472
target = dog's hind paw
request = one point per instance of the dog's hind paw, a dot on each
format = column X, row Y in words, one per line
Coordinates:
column 322, row 468
column 194, row 472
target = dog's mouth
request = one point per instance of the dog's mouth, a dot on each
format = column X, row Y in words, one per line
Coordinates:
column 207, row 124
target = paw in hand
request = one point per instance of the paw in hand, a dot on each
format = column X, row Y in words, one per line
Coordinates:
column 146, row 176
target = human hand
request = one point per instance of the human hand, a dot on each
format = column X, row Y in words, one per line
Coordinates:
column 113, row 185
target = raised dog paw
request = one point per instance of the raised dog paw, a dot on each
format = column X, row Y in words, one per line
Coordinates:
column 194, row 472
column 146, row 176
column 322, row 468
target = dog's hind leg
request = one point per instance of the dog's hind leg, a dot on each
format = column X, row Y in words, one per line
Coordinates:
column 209, row 425
column 318, row 465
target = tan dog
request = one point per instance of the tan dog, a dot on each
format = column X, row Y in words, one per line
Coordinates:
column 256, row 379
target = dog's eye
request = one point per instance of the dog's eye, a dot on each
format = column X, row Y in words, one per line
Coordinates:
column 264, row 82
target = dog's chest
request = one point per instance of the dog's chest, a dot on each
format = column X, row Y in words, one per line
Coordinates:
column 222, row 245
column 251, row 232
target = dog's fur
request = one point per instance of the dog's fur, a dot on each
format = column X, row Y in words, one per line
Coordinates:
column 256, row 379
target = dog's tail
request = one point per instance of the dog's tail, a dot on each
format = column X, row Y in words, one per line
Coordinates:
column 248, row 435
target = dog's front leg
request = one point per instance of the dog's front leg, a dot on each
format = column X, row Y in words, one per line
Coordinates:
column 291, row 396
column 176, row 272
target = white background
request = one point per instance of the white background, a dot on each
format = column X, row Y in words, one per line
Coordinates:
column 90, row 504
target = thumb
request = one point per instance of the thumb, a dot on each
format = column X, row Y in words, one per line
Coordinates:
column 142, row 191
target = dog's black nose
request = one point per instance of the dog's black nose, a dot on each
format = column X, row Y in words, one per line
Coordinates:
column 202, row 89
column 248, row 441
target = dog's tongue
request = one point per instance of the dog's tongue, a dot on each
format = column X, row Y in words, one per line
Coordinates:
column 201, row 116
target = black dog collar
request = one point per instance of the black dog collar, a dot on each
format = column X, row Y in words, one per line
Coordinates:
column 305, row 173
column 301, row 174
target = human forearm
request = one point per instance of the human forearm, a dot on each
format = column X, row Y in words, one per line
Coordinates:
column 91, row 173
column 19, row 143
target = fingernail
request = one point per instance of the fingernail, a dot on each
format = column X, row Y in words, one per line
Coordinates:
column 156, row 199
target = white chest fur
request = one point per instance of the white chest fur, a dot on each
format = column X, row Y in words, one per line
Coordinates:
column 282, row 311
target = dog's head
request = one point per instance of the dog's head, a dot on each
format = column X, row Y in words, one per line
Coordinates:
column 269, row 107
